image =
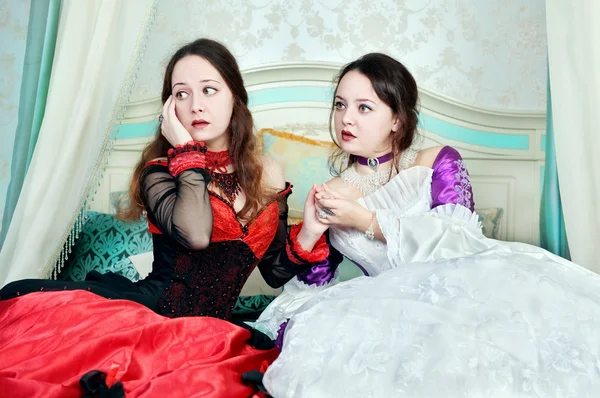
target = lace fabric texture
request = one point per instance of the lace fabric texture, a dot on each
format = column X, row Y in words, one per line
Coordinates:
column 369, row 183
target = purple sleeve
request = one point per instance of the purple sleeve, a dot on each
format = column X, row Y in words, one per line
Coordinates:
column 450, row 183
column 322, row 272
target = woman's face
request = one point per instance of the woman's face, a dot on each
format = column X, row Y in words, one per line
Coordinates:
column 203, row 101
column 363, row 123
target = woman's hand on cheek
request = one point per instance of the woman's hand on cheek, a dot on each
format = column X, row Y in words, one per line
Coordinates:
column 171, row 128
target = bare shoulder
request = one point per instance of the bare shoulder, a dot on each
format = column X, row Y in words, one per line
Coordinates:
column 338, row 185
column 426, row 157
column 273, row 175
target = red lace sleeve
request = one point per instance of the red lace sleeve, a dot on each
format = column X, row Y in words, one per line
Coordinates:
column 279, row 265
column 191, row 155
column 298, row 255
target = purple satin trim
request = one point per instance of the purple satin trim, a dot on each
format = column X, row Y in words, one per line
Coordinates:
column 280, row 332
column 318, row 274
column 450, row 183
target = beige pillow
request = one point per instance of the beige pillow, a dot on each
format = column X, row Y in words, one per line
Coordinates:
column 304, row 162
column 256, row 285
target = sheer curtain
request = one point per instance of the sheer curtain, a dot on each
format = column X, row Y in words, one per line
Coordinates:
column 574, row 66
column 553, row 235
column 99, row 45
column 39, row 54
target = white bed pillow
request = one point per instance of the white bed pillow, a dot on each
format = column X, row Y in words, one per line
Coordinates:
column 142, row 263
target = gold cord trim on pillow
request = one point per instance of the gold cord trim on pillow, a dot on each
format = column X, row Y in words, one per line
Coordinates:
column 294, row 220
column 293, row 137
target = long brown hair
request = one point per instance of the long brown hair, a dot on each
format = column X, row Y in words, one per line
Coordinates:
column 397, row 88
column 243, row 144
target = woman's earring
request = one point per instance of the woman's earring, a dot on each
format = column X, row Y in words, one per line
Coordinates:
column 345, row 160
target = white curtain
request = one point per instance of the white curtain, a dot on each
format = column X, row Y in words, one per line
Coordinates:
column 98, row 48
column 574, row 62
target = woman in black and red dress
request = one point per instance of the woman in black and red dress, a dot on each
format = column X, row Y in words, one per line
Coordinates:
column 216, row 209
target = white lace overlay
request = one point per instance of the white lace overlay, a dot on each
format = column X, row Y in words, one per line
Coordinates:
column 463, row 186
column 369, row 183
column 449, row 313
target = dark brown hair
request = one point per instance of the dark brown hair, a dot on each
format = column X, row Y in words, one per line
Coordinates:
column 397, row 88
column 243, row 144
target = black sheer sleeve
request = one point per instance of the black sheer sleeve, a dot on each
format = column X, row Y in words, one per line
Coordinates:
column 179, row 206
column 276, row 267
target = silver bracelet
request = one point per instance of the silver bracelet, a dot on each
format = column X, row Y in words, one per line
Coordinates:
column 369, row 233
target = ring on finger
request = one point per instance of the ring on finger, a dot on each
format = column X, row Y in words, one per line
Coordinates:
column 328, row 211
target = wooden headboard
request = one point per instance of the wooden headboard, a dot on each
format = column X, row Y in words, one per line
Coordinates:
column 503, row 151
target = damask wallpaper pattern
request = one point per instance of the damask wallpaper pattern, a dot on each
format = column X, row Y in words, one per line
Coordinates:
column 14, row 18
column 491, row 54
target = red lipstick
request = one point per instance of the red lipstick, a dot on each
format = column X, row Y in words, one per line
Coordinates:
column 347, row 136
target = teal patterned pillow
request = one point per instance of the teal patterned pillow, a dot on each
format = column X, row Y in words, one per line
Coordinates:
column 252, row 305
column 126, row 268
column 104, row 245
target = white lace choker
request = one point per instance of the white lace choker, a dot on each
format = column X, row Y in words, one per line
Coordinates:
column 369, row 183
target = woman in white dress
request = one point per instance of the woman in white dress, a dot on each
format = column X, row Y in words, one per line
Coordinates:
column 442, row 310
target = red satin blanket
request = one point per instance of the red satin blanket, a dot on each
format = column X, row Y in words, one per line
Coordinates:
column 48, row 340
